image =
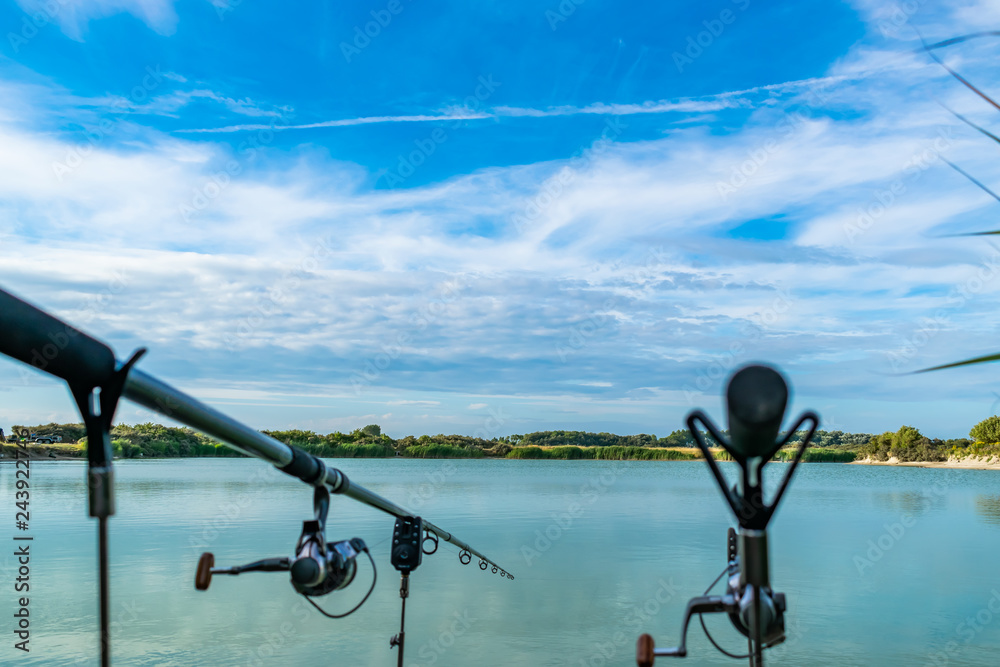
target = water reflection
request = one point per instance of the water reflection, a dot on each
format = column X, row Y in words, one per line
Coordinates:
column 913, row 503
column 576, row 589
column 988, row 508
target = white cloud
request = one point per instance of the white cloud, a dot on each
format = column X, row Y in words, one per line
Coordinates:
column 624, row 285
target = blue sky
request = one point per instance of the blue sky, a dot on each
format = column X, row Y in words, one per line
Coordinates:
column 501, row 217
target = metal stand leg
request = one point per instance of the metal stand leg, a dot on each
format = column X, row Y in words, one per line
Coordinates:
column 400, row 639
column 102, row 540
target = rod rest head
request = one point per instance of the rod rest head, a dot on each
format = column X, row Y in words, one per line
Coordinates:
column 756, row 398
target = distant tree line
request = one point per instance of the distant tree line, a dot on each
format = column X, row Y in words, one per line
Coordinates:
column 151, row 440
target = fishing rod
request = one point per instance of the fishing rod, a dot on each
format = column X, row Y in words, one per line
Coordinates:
column 97, row 382
column 756, row 399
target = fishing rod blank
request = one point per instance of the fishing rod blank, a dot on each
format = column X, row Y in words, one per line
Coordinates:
column 40, row 340
column 151, row 393
column 97, row 382
column 756, row 397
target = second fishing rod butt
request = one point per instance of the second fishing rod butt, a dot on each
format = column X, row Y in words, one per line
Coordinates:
column 757, row 396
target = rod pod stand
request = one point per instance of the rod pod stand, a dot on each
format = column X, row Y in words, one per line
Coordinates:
column 756, row 400
column 97, row 399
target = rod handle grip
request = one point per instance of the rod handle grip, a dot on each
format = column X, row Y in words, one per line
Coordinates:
column 38, row 339
column 644, row 649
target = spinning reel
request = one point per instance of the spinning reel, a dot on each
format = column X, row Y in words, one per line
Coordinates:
column 318, row 567
column 756, row 398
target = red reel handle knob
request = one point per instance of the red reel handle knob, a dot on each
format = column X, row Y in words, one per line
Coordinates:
column 644, row 651
column 203, row 577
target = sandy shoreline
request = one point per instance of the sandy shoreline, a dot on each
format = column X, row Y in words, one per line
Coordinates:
column 970, row 463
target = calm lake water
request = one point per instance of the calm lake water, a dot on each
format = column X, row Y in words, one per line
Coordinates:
column 861, row 589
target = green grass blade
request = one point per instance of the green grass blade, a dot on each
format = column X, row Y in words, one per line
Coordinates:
column 968, row 362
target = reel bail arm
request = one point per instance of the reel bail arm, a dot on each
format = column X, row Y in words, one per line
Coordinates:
column 318, row 567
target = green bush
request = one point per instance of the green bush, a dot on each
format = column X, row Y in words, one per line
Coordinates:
column 527, row 453
column 678, row 438
column 568, row 453
column 361, row 451
column 435, row 451
column 986, row 431
column 977, row 449
column 817, row 455
column 642, row 454
column 612, row 453
column 297, row 437
column 906, row 444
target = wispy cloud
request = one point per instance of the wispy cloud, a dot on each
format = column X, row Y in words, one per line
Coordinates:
column 727, row 100
column 420, row 403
